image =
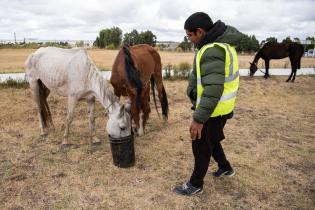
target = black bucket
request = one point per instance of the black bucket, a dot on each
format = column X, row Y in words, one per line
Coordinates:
column 123, row 151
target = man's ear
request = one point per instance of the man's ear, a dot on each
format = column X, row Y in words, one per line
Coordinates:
column 200, row 31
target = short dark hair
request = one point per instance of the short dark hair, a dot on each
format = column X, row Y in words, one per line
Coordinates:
column 198, row 20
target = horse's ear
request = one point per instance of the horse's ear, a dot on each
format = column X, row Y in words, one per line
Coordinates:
column 250, row 63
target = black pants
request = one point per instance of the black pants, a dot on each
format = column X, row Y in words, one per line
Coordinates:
column 209, row 145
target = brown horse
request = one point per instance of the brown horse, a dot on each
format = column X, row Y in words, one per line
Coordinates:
column 134, row 69
column 273, row 50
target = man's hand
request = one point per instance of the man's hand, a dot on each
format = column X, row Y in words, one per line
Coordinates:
column 195, row 130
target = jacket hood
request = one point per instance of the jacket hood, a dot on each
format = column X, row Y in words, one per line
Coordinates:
column 221, row 33
column 230, row 36
column 216, row 31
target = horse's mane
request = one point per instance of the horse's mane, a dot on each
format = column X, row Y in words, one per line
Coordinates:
column 133, row 75
column 103, row 86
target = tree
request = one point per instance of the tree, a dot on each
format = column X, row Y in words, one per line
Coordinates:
column 271, row 39
column 147, row 37
column 287, row 40
column 244, row 44
column 134, row 37
column 186, row 45
column 312, row 43
column 254, row 43
column 116, row 36
column 131, row 38
column 96, row 43
column 247, row 44
column 79, row 44
column 296, row 39
column 109, row 37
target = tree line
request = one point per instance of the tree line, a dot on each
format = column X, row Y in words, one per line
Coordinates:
column 112, row 38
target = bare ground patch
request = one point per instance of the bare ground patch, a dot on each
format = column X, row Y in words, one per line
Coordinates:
column 270, row 142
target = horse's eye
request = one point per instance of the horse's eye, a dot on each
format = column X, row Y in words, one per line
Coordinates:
column 123, row 128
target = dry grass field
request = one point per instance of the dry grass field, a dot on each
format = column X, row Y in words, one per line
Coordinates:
column 12, row 60
column 270, row 143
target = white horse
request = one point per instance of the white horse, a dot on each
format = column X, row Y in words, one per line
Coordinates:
column 71, row 73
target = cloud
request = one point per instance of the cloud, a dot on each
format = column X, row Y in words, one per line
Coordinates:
column 65, row 19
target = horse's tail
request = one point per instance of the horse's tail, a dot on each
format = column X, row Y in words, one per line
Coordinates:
column 164, row 104
column 162, row 97
column 133, row 75
column 297, row 50
column 300, row 56
column 299, row 64
column 153, row 93
column 44, row 108
column 157, row 79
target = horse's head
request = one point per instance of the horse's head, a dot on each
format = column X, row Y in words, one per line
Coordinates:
column 119, row 122
column 253, row 68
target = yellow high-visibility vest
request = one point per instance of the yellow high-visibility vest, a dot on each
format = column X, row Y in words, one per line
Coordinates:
column 227, row 101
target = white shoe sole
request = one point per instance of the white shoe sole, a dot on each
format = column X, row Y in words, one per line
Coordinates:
column 230, row 175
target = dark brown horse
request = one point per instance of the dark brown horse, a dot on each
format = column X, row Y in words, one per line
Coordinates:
column 273, row 50
column 134, row 70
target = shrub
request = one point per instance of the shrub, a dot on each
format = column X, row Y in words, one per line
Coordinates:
column 111, row 47
column 167, row 71
column 11, row 83
column 182, row 71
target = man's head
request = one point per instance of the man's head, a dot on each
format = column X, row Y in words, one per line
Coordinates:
column 197, row 25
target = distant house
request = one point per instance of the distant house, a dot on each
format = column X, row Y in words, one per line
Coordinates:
column 31, row 40
column 168, row 45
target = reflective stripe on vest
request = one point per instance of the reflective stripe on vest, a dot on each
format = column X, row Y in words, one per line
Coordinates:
column 227, row 101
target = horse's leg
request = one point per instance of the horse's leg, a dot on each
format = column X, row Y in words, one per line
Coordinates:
column 294, row 73
column 72, row 101
column 35, row 92
column 290, row 76
column 267, row 61
column 292, row 70
column 145, row 111
column 91, row 110
column 135, row 115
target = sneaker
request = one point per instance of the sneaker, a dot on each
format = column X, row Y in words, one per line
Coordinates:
column 220, row 173
column 187, row 189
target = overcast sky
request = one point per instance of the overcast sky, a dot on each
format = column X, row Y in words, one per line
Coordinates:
column 83, row 19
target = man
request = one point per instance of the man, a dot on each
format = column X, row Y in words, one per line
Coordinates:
column 212, row 90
